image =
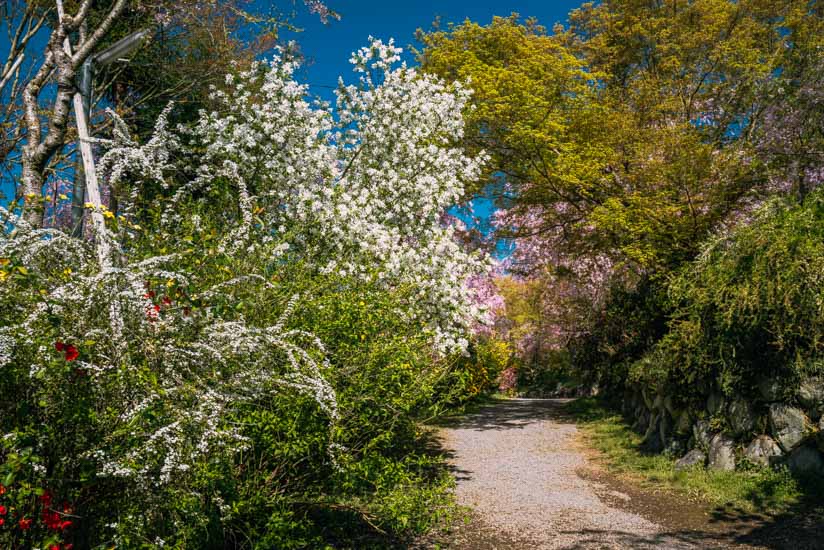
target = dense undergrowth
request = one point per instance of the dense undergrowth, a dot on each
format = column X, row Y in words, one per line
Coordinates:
column 299, row 481
column 242, row 357
column 747, row 309
column 750, row 307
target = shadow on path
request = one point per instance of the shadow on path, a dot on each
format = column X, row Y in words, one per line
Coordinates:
column 512, row 414
column 683, row 524
column 799, row 528
column 588, row 539
column 768, row 535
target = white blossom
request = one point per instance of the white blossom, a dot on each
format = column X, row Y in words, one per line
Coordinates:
column 359, row 191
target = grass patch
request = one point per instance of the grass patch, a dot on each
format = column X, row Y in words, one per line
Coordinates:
column 750, row 489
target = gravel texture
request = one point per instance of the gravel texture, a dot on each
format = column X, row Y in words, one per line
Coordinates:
column 519, row 469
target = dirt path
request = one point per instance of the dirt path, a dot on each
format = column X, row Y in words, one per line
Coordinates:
column 520, row 469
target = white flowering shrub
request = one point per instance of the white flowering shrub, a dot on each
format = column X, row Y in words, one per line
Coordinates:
column 359, row 192
column 277, row 293
column 134, row 373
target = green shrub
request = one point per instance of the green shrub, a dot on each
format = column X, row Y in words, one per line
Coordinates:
column 632, row 320
column 750, row 306
column 299, row 479
column 474, row 375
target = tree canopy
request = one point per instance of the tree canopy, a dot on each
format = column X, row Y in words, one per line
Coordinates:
column 632, row 130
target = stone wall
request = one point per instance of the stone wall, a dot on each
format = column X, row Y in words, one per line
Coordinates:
column 770, row 428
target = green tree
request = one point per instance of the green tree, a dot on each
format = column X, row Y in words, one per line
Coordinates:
column 632, row 130
column 534, row 111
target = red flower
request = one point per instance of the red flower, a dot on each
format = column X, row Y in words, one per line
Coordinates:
column 51, row 520
column 46, row 499
column 167, row 301
column 71, row 353
column 65, row 525
column 54, row 547
column 25, row 524
column 151, row 313
column 2, row 510
column 2, row 489
column 2, row 521
column 149, row 295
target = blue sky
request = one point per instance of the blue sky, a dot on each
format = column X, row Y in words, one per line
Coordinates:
column 328, row 47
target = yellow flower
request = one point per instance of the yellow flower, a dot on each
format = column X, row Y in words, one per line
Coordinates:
column 63, row 197
column 3, row 275
column 88, row 205
column 67, row 271
column 109, row 214
column 4, row 261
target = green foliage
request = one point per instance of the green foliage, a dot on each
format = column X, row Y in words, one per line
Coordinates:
column 556, row 370
column 619, row 129
column 534, row 110
column 750, row 306
column 475, row 375
column 285, row 489
column 690, row 84
column 531, row 108
column 631, row 322
column 668, row 58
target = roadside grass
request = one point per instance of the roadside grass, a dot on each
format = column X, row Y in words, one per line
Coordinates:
column 749, row 489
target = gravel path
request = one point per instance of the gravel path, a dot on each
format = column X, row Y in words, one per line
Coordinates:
column 519, row 470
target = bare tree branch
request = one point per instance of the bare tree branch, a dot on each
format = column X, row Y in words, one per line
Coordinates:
column 4, row 78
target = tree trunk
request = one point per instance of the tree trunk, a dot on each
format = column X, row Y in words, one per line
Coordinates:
column 39, row 150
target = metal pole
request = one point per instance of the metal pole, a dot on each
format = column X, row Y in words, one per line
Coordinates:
column 92, row 187
column 78, row 189
column 122, row 47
